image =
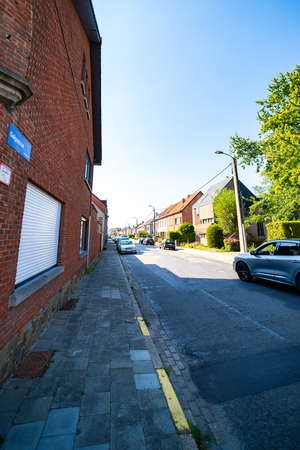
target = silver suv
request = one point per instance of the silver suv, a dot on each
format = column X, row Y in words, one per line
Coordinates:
column 276, row 260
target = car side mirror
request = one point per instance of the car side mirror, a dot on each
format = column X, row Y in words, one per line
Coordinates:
column 253, row 253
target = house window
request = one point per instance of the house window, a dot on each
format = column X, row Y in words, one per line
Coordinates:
column 83, row 229
column 177, row 221
column 87, row 173
column 39, row 235
column 260, row 229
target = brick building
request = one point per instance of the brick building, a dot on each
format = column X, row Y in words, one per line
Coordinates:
column 203, row 211
column 175, row 215
column 50, row 138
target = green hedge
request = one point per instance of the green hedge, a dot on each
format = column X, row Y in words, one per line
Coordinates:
column 175, row 235
column 283, row 230
column 214, row 236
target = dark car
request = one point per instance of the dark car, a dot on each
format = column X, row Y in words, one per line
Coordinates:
column 167, row 243
column 276, row 260
column 148, row 241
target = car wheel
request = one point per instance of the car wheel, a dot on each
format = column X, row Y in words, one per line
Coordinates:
column 243, row 272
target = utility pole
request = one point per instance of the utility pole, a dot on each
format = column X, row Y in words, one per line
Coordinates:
column 153, row 222
column 238, row 200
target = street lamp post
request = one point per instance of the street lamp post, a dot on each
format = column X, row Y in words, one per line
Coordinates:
column 153, row 222
column 136, row 222
column 238, row 199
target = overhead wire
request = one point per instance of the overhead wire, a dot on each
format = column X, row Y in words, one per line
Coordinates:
column 162, row 209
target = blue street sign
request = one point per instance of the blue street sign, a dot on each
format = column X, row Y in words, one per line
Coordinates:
column 17, row 141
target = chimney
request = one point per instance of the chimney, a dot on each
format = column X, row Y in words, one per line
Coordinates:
column 183, row 200
column 188, row 196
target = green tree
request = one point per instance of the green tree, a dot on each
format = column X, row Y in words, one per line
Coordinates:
column 187, row 231
column 276, row 152
column 225, row 211
column 142, row 233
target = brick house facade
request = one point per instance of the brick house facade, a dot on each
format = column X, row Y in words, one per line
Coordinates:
column 203, row 212
column 175, row 215
column 50, row 70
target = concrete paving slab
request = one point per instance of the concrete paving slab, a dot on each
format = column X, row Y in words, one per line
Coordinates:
column 34, row 409
column 143, row 367
column 61, row 422
column 95, row 404
column 97, row 369
column 157, row 422
column 12, row 399
column 97, row 384
column 57, row 442
column 24, row 437
column 140, row 355
column 152, row 398
column 68, row 397
column 146, row 381
column 128, row 437
column 125, row 415
column 93, row 430
column 169, row 442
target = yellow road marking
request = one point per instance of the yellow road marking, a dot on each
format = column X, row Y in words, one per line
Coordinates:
column 174, row 405
column 143, row 326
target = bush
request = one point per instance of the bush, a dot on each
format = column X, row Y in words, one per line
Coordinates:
column 283, row 230
column 214, row 236
column 142, row 234
column 175, row 235
column 131, row 236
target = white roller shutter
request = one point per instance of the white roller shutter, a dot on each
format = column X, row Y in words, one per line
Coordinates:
column 39, row 235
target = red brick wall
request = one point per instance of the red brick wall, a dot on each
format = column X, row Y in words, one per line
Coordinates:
column 94, row 244
column 54, row 121
column 16, row 34
column 187, row 214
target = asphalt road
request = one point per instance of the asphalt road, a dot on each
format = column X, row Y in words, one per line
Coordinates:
column 241, row 341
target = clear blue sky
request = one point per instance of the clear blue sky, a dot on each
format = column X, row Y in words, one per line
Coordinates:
column 178, row 79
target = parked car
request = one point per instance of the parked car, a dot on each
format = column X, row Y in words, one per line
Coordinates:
column 126, row 247
column 167, row 243
column 148, row 241
column 120, row 239
column 277, row 260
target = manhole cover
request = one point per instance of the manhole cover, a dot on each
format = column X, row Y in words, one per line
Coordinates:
column 69, row 304
column 34, row 364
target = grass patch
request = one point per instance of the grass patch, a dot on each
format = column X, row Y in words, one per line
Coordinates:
column 145, row 320
column 89, row 270
column 198, row 437
column 168, row 369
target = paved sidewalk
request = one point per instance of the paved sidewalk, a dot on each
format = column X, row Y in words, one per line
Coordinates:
column 226, row 257
column 102, row 391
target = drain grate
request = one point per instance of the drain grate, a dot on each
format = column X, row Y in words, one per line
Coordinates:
column 69, row 305
column 34, row 364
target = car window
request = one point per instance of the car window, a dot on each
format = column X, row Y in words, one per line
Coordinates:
column 170, row 241
column 267, row 250
column 288, row 249
column 126, row 242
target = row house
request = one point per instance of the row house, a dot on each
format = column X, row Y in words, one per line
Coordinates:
column 102, row 218
column 175, row 215
column 50, row 140
column 203, row 211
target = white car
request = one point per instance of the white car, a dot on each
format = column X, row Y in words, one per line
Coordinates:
column 126, row 247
